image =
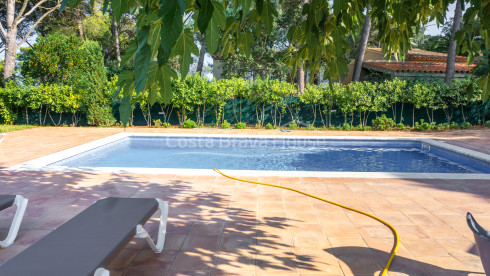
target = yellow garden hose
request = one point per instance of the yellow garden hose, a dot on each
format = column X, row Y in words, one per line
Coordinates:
column 395, row 245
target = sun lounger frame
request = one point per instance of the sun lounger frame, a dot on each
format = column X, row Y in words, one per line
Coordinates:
column 21, row 204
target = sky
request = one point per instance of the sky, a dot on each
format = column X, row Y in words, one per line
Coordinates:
column 431, row 27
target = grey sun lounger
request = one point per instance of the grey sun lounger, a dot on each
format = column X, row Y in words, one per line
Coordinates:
column 86, row 244
column 7, row 201
column 482, row 240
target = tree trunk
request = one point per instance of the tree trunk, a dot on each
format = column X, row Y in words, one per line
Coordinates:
column 451, row 55
column 366, row 28
column 10, row 32
column 301, row 80
column 301, row 70
column 115, row 28
column 78, row 19
column 10, row 43
column 202, row 53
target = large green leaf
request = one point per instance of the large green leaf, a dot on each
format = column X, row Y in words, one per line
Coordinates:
column 126, row 83
column 151, row 84
column 268, row 14
column 205, row 13
column 246, row 8
column 154, row 39
column 164, row 76
column 213, row 34
column 125, row 110
column 118, row 8
column 185, row 48
column 74, row 3
column 244, row 42
column 172, row 12
column 63, row 5
column 129, row 54
column 142, row 59
column 484, row 84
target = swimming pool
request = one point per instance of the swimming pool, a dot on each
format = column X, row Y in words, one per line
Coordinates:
column 160, row 153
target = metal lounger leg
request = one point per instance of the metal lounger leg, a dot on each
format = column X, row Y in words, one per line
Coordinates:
column 21, row 204
column 162, row 229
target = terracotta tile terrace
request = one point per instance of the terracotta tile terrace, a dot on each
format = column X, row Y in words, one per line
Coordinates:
column 219, row 226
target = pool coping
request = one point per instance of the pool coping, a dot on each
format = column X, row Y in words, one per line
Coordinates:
column 41, row 164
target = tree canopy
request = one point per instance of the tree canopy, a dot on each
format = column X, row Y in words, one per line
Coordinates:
column 318, row 38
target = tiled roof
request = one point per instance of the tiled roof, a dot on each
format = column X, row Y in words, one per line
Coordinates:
column 420, row 66
column 422, row 55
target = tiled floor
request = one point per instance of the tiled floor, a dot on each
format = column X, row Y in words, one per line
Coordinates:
column 219, row 226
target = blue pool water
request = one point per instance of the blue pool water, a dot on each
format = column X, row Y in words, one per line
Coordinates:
column 277, row 155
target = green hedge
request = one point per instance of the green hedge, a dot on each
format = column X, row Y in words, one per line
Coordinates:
column 257, row 102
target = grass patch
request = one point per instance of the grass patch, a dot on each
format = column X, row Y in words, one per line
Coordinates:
column 7, row 128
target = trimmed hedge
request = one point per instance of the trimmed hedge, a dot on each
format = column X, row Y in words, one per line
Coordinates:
column 259, row 102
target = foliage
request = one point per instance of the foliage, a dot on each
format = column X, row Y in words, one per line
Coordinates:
column 6, row 114
column 55, row 59
column 184, row 98
column 98, row 92
column 1, row 70
column 225, row 125
column 68, row 62
column 293, row 126
column 422, row 126
column 241, row 125
column 314, row 96
column 269, row 126
column 219, row 92
column 269, row 93
column 195, row 97
column 189, row 124
column 317, row 38
column 465, row 125
column 157, row 123
column 383, row 123
column 346, row 126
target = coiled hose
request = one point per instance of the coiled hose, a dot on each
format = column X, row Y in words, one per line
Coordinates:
column 395, row 234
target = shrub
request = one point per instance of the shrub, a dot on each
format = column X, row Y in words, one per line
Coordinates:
column 166, row 125
column 311, row 127
column 5, row 114
column 400, row 126
column 422, row 126
column 487, row 124
column 157, row 123
column 293, row 125
column 55, row 58
column 367, row 128
column 225, row 125
column 383, row 123
column 189, row 124
column 465, row 125
column 443, row 126
column 269, row 126
column 241, row 125
column 346, row 126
